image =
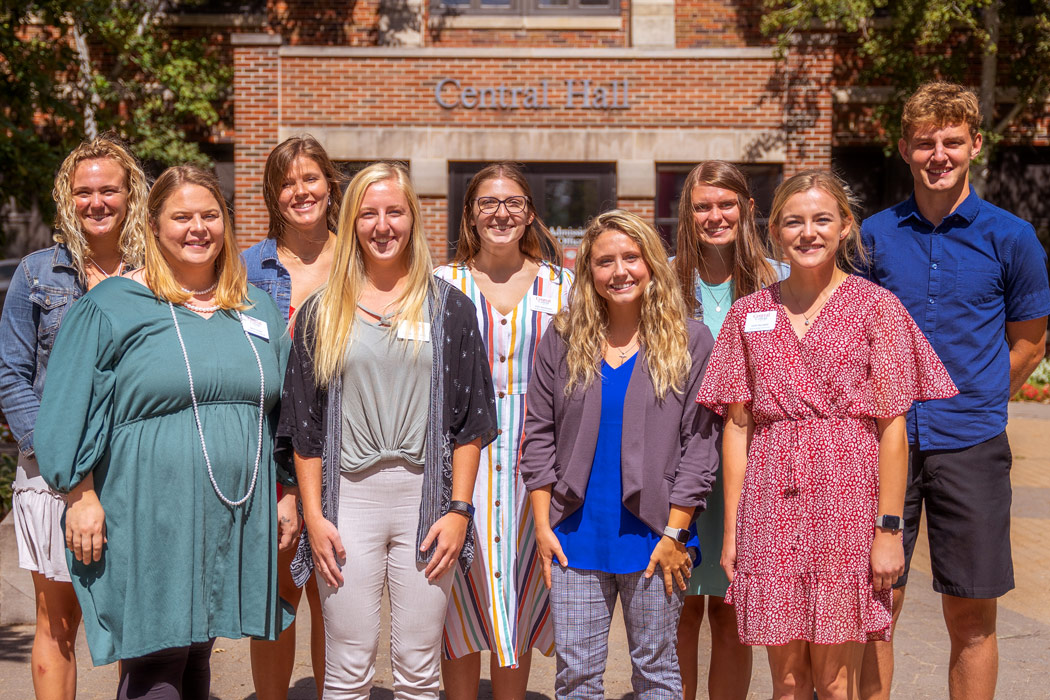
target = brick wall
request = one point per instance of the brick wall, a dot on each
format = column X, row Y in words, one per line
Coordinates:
column 398, row 92
column 717, row 23
column 255, row 98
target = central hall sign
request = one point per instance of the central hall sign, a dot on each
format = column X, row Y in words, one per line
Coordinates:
column 579, row 94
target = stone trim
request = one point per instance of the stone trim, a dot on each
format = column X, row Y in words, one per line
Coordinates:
column 255, row 39
column 742, row 53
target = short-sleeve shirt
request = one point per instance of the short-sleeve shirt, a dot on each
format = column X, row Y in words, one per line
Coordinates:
column 962, row 281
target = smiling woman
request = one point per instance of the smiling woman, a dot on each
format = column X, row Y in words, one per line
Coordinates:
column 387, row 404
column 173, row 350
column 100, row 193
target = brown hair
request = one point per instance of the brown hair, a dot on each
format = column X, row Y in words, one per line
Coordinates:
column 231, row 291
column 850, row 254
column 537, row 243
column 751, row 269
column 940, row 104
column 277, row 165
column 133, row 228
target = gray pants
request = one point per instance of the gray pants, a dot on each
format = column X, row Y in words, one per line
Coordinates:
column 582, row 604
column 378, row 516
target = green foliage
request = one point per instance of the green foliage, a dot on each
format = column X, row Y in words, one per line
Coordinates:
column 149, row 87
column 8, row 463
column 903, row 43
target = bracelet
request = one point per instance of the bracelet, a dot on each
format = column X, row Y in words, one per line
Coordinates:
column 463, row 508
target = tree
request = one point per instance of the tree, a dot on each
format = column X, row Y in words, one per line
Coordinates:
column 69, row 70
column 1001, row 47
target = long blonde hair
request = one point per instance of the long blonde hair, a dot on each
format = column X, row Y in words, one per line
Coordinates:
column 850, row 255
column 751, row 269
column 231, row 290
column 661, row 329
column 332, row 310
column 132, row 229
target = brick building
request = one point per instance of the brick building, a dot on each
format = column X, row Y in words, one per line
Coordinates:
column 608, row 102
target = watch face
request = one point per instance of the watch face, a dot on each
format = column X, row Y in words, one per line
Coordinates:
column 889, row 522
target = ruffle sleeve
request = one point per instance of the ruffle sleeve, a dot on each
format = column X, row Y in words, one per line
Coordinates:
column 76, row 412
column 727, row 380
column 904, row 367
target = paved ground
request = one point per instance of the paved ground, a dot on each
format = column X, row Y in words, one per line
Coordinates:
column 922, row 646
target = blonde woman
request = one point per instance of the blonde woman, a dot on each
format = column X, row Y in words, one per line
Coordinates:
column 388, row 402
column 814, row 375
column 160, row 391
column 508, row 263
column 101, row 196
column 617, row 459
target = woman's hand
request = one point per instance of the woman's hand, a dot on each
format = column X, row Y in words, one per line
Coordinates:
column 287, row 519
column 85, row 523
column 549, row 548
column 728, row 561
column 887, row 559
column 673, row 558
column 327, row 548
column 449, row 532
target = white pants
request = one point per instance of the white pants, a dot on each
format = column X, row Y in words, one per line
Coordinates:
column 378, row 517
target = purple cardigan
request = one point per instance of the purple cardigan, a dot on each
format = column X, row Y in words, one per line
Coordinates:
column 668, row 455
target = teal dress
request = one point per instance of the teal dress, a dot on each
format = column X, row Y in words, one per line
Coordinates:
column 180, row 566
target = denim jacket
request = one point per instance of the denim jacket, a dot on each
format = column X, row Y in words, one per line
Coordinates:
column 267, row 273
column 43, row 288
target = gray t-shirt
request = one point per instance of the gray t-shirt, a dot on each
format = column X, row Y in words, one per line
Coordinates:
column 385, row 396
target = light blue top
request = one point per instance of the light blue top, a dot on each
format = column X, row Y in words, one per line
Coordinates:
column 602, row 535
column 715, row 300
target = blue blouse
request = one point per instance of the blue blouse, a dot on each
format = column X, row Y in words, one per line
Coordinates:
column 602, row 534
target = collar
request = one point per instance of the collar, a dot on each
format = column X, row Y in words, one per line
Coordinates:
column 964, row 214
column 268, row 250
column 62, row 258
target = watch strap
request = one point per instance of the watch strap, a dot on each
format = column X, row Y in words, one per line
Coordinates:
column 677, row 534
column 461, row 507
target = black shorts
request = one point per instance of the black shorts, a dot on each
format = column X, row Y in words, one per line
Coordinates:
column 967, row 497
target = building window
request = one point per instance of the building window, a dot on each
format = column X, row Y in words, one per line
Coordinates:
column 762, row 179
column 567, row 196
column 452, row 8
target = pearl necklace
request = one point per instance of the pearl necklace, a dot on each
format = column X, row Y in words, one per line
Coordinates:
column 210, row 309
column 197, row 415
column 201, row 291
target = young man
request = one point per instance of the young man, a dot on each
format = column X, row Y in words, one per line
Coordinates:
column 974, row 279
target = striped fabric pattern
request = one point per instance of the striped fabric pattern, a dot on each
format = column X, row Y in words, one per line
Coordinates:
column 501, row 604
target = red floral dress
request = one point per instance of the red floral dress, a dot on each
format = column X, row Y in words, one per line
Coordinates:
column 805, row 524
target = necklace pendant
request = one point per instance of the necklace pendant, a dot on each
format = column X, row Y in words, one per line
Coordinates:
column 807, row 321
column 718, row 309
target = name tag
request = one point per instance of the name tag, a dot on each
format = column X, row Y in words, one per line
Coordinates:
column 255, row 326
column 413, row 331
column 543, row 304
column 760, row 321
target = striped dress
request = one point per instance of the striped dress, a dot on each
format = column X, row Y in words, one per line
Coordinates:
column 502, row 604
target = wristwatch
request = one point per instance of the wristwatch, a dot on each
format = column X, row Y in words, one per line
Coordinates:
column 461, row 507
column 677, row 534
column 889, row 522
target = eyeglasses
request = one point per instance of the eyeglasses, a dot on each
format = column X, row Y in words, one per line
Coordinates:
column 514, row 205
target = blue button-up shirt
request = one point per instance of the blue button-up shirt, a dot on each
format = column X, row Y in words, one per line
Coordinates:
column 43, row 288
column 267, row 273
column 962, row 281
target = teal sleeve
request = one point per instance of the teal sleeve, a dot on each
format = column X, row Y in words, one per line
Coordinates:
column 76, row 411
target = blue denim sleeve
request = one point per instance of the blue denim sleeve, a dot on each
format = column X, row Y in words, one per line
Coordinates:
column 18, row 350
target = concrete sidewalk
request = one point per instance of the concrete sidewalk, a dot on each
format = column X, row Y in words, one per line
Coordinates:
column 922, row 643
